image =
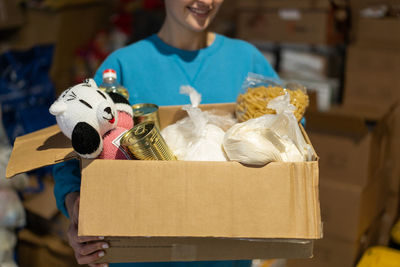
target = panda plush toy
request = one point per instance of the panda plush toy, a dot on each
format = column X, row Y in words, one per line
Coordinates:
column 93, row 120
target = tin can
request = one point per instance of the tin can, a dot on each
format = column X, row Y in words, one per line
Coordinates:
column 146, row 112
column 145, row 142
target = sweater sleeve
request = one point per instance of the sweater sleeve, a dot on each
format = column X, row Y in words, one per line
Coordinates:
column 67, row 177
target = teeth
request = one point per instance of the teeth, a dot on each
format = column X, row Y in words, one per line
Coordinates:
column 199, row 11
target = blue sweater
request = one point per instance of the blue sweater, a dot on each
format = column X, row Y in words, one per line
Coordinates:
column 153, row 72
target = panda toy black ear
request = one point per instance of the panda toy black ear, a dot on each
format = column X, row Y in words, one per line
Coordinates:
column 121, row 103
column 86, row 141
column 118, row 99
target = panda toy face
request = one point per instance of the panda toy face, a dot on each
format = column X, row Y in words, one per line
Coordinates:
column 84, row 114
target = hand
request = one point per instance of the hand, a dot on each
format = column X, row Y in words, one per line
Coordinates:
column 87, row 249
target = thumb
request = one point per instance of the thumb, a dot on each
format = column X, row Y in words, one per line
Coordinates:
column 76, row 209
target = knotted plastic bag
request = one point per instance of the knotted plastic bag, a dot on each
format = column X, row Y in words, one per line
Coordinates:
column 271, row 137
column 196, row 137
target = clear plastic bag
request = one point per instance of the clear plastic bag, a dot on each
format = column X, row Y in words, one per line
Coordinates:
column 268, row 138
column 20, row 181
column 258, row 91
column 7, row 244
column 199, row 136
column 12, row 213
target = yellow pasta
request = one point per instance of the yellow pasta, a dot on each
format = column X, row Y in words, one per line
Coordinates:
column 253, row 103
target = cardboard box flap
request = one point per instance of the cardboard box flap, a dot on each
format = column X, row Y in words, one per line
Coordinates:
column 349, row 120
column 41, row 148
column 199, row 199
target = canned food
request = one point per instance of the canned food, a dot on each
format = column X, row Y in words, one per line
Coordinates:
column 146, row 112
column 145, row 142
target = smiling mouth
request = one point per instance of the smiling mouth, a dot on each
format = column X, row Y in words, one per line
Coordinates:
column 200, row 12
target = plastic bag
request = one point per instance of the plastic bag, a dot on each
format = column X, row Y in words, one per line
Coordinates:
column 26, row 92
column 196, row 137
column 271, row 137
column 20, row 181
column 12, row 213
column 7, row 244
column 258, row 91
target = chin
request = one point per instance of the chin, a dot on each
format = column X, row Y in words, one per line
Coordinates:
column 197, row 26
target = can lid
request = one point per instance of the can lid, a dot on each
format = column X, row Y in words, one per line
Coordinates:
column 144, row 109
column 109, row 73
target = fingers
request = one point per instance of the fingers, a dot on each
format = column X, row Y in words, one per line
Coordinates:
column 98, row 265
column 76, row 210
column 89, row 259
column 89, row 248
column 83, row 239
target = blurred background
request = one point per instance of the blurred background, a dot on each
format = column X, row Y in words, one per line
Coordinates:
column 346, row 52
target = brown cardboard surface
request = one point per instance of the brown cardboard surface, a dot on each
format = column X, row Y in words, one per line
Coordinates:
column 333, row 252
column 190, row 249
column 330, row 253
column 195, row 199
column 62, row 28
column 307, row 26
column 42, row 204
column 321, row 4
column 357, row 4
column 11, row 15
column 349, row 210
column 384, row 32
column 208, row 203
column 43, row 250
column 372, row 76
column 38, row 149
column 352, row 142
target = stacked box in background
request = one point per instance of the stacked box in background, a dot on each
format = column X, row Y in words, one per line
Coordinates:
column 63, row 27
column 43, row 241
column 372, row 80
column 373, row 60
column 358, row 181
column 353, row 146
column 10, row 15
column 304, row 39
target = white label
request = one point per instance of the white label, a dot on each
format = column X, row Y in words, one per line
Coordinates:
column 117, row 142
column 290, row 14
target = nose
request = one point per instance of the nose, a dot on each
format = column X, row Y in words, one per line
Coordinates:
column 108, row 110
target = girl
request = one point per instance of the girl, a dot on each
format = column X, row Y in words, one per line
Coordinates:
column 183, row 52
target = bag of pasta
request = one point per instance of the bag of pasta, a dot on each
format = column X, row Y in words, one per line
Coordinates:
column 258, row 91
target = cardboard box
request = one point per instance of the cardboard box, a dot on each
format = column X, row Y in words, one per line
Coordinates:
column 43, row 250
column 303, row 64
column 316, row 4
column 359, row 4
column 349, row 210
column 333, row 252
column 179, row 210
column 63, row 28
column 353, row 143
column 290, row 26
column 372, row 76
column 380, row 33
column 11, row 15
